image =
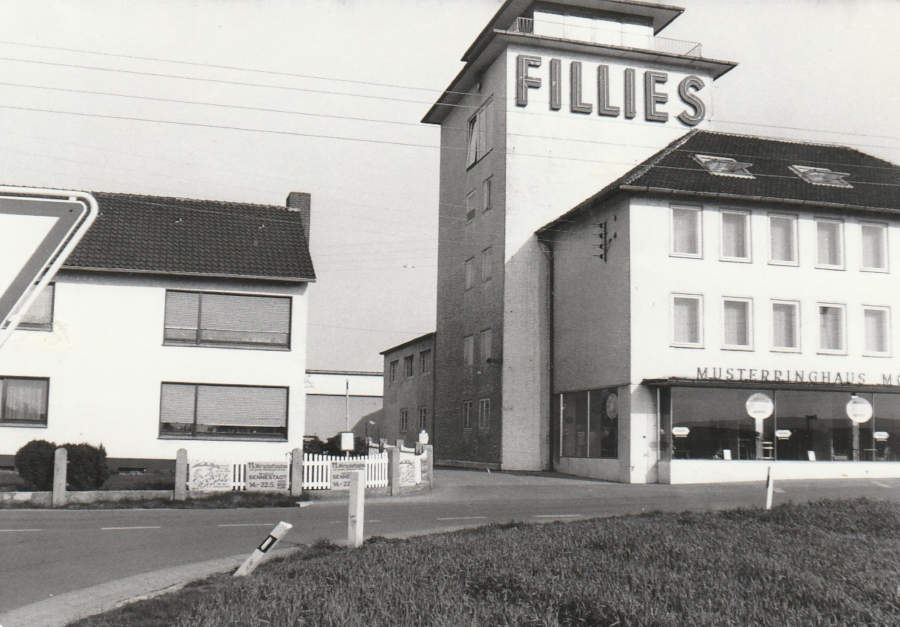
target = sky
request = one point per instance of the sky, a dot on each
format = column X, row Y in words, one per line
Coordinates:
column 248, row 100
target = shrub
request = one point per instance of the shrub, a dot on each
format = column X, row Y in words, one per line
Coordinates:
column 34, row 463
column 87, row 467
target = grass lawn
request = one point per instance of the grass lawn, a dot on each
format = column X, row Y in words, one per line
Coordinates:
column 830, row 562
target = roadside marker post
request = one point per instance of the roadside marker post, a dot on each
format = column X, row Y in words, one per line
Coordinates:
column 356, row 515
column 770, row 488
column 264, row 547
column 39, row 228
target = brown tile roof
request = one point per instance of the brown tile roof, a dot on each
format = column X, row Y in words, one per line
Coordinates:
column 181, row 236
column 673, row 170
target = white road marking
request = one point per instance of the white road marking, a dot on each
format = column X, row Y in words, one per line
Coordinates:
column 123, row 528
column 883, row 485
column 342, row 522
column 463, row 518
column 778, row 490
column 557, row 515
column 17, row 530
column 246, row 525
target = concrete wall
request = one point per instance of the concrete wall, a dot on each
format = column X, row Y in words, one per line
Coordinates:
column 462, row 312
column 106, row 360
column 408, row 393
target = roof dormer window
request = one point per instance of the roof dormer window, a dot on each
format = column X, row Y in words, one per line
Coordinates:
column 821, row 176
column 724, row 166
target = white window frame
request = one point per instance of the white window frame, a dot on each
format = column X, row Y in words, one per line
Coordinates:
column 484, row 417
column 699, row 211
column 739, row 347
column 795, row 221
column 832, row 351
column 887, row 331
column 748, row 239
column 841, row 248
column 674, row 342
column 885, row 247
column 797, row 326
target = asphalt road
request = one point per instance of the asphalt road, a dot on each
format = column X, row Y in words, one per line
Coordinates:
column 46, row 553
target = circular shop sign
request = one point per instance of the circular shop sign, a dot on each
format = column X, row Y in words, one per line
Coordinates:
column 759, row 406
column 612, row 405
column 859, row 410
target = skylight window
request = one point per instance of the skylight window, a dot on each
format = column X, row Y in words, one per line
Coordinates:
column 724, row 166
column 821, row 176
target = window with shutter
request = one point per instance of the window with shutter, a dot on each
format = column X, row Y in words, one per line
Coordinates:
column 195, row 410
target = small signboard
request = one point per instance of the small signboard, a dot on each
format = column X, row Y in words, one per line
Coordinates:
column 347, row 441
column 341, row 472
column 267, row 476
column 680, row 432
column 881, row 436
column 859, row 410
column 209, row 477
column 759, row 406
column 783, row 434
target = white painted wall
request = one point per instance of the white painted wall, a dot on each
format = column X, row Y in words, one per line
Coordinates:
column 106, row 360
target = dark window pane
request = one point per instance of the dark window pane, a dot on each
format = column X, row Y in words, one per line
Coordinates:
column 713, row 424
column 886, row 428
column 603, row 438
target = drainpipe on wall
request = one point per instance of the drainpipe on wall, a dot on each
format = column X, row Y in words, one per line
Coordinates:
column 547, row 249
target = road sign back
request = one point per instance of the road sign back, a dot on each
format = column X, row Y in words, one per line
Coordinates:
column 38, row 230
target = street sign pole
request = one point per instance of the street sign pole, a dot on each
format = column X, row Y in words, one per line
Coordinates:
column 39, row 228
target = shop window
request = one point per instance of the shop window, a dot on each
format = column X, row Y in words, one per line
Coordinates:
column 486, row 194
column 425, row 361
column 686, row 232
column 832, row 335
column 737, row 315
column 885, row 429
column 783, row 239
column 486, row 340
column 467, row 414
column 23, row 401
column 479, row 140
column 484, row 413
column 39, row 316
column 469, row 350
column 408, row 365
column 404, row 420
column 687, row 315
column 470, row 272
column 785, row 325
column 830, row 239
column 874, row 247
column 735, row 236
column 228, row 320
column 589, row 424
column 189, row 410
column 877, row 331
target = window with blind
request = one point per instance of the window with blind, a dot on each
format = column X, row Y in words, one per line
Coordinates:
column 23, row 401
column 735, row 236
column 785, row 326
column 783, row 239
column 197, row 410
column 830, row 240
column 831, row 329
column 737, row 323
column 686, row 235
column 213, row 319
column 874, row 247
column 877, row 324
column 687, row 320
column 39, row 316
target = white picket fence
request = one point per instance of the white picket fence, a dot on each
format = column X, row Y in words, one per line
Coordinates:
column 317, row 469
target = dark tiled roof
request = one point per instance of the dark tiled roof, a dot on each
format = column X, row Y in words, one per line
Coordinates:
column 181, row 236
column 673, row 170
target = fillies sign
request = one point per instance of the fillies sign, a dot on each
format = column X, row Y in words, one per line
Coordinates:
column 38, row 230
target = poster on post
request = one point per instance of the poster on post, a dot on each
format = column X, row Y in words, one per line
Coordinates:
column 263, row 476
column 341, row 472
column 209, row 477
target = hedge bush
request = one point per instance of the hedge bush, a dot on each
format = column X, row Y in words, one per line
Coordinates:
column 87, row 469
column 34, row 463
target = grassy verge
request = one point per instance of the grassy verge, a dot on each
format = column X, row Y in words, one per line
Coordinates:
column 830, row 562
column 213, row 501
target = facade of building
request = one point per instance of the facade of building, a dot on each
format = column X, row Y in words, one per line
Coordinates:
column 175, row 323
column 332, row 394
column 707, row 278
column 408, row 391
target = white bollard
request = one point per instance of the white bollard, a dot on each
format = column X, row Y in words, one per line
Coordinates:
column 256, row 557
column 356, row 513
column 770, row 488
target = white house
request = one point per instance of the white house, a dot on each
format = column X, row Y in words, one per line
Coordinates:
column 175, row 323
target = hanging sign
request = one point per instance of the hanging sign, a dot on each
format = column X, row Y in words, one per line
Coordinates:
column 759, row 406
column 680, row 432
column 881, row 436
column 859, row 410
column 783, row 434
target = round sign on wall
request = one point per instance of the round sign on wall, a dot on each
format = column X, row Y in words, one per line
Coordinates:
column 759, row 406
column 859, row 410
